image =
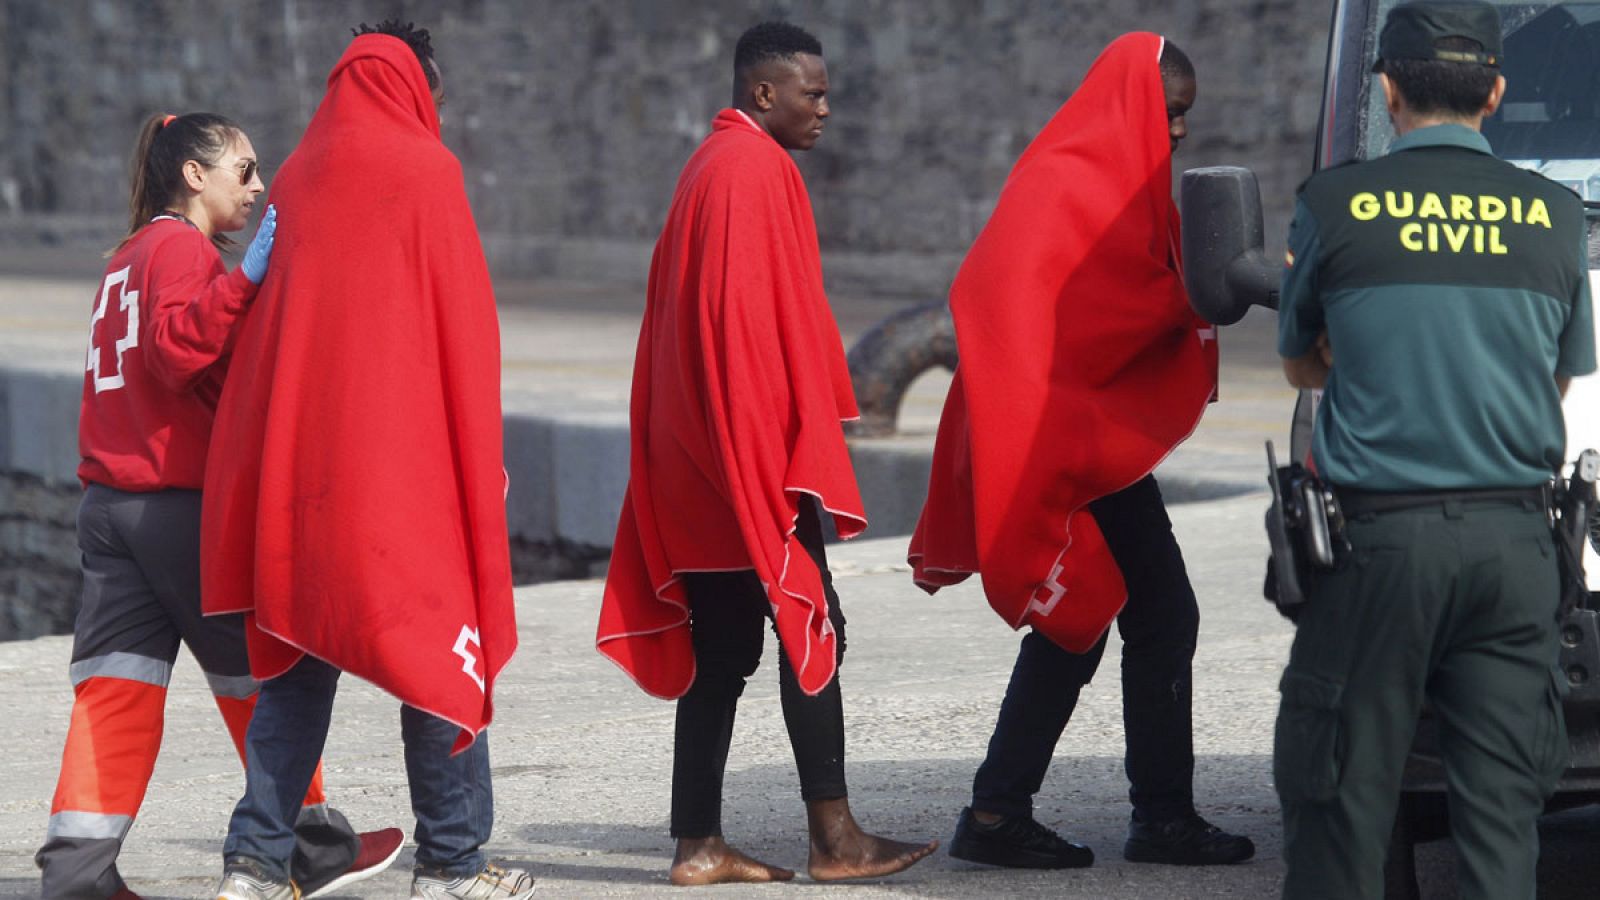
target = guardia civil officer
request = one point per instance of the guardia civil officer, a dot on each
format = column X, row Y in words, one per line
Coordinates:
column 1439, row 297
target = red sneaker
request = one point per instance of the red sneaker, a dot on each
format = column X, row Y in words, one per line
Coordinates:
column 378, row 850
column 124, row 894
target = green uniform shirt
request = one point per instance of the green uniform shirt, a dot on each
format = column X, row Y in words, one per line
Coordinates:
column 1454, row 289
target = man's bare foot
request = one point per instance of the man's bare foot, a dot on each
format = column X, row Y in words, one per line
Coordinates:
column 840, row 849
column 711, row 861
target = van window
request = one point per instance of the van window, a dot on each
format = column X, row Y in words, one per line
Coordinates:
column 1550, row 120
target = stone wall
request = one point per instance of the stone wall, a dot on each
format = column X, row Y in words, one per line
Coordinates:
column 39, row 574
column 572, row 118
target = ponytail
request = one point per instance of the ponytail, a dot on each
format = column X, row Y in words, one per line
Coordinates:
column 156, row 174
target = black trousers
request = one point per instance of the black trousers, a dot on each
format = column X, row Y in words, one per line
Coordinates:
column 1158, row 627
column 1453, row 602
column 726, row 613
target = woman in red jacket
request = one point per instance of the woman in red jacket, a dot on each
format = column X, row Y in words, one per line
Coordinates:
column 164, row 317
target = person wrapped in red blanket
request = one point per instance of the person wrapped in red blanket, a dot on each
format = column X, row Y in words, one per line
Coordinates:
column 165, row 314
column 355, row 506
column 1082, row 367
column 737, row 452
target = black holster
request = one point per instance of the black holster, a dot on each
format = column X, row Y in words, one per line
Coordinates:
column 1305, row 530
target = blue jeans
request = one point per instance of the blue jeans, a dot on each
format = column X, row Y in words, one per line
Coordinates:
column 451, row 797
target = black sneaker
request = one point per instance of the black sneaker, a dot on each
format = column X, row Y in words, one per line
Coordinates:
column 1018, row 842
column 1185, row 841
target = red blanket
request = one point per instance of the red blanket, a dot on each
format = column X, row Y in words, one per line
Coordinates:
column 354, row 501
column 739, row 386
column 1082, row 365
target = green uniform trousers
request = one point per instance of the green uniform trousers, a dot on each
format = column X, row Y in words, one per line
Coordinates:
column 1454, row 602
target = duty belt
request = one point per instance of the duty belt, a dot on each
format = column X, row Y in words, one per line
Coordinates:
column 1359, row 503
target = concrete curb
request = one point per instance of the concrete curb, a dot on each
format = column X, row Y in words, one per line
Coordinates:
column 568, row 470
column 39, row 423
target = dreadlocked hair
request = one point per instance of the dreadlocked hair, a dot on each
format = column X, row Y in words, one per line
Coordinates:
column 418, row 39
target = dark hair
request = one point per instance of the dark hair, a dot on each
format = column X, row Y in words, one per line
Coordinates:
column 418, row 39
column 770, row 41
column 1174, row 62
column 1441, row 86
column 165, row 144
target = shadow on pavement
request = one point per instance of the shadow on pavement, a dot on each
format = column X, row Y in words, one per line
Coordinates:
column 1084, row 798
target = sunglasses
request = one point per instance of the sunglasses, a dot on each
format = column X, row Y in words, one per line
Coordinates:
column 247, row 172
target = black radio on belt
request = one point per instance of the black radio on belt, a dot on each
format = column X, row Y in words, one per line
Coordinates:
column 1573, row 519
column 1304, row 528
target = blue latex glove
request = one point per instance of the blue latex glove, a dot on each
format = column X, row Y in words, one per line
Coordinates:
column 260, row 249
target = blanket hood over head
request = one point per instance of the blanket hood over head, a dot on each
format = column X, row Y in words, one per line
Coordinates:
column 1082, row 365
column 739, row 386
column 354, row 500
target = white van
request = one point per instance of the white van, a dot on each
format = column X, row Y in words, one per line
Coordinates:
column 1550, row 123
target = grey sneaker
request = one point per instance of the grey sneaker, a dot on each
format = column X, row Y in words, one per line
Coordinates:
column 493, row 883
column 244, row 879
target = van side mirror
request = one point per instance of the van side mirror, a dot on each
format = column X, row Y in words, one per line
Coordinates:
column 1225, row 267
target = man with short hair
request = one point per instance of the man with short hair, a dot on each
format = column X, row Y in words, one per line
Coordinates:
column 1439, row 297
column 355, row 505
column 739, row 387
column 1082, row 367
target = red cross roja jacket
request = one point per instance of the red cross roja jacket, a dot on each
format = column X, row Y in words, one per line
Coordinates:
column 158, row 343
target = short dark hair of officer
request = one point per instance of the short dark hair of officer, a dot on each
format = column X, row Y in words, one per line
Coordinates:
column 1443, row 56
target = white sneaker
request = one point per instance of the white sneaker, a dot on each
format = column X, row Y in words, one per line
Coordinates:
column 493, row 883
column 243, row 879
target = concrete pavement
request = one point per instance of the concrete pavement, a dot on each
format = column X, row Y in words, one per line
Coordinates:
column 582, row 758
